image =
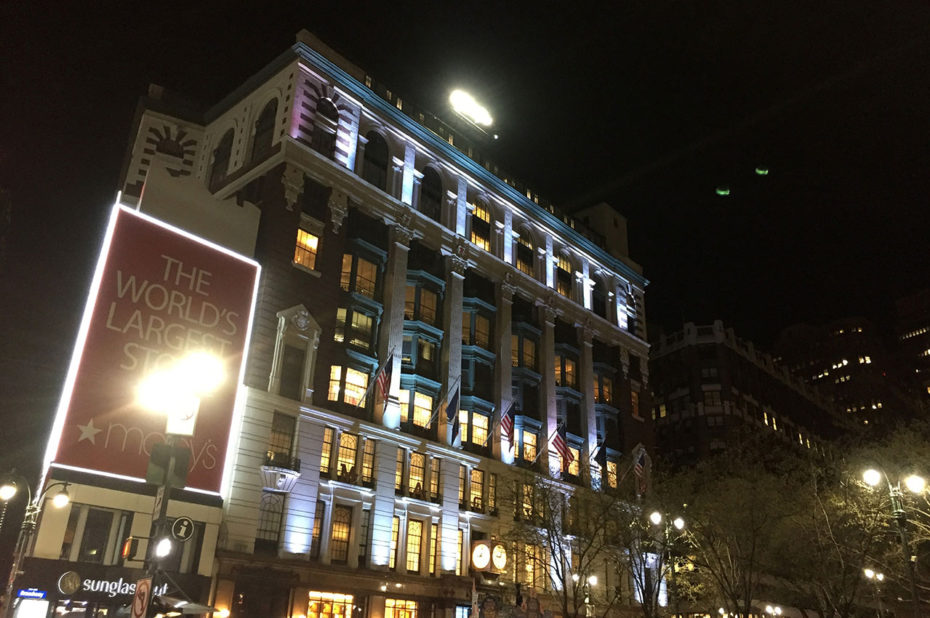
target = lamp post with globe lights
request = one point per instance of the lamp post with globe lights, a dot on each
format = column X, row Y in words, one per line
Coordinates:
column 915, row 484
column 655, row 557
column 8, row 490
column 876, row 578
column 175, row 391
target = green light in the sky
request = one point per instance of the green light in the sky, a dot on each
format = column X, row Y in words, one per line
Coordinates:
column 723, row 190
column 762, row 171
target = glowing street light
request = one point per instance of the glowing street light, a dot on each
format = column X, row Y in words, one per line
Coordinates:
column 655, row 517
column 465, row 105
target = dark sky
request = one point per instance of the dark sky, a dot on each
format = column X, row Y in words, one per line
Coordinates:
column 649, row 105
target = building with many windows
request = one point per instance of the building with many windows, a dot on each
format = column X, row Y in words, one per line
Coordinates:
column 912, row 330
column 709, row 386
column 391, row 253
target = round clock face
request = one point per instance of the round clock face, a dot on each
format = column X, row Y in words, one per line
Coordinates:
column 69, row 583
column 499, row 557
column 481, row 556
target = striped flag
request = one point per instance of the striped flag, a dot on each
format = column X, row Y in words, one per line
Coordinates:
column 639, row 469
column 452, row 414
column 507, row 424
column 384, row 381
column 562, row 447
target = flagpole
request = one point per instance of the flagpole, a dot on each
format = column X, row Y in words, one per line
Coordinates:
column 373, row 381
column 547, row 442
column 494, row 424
column 442, row 397
column 632, row 464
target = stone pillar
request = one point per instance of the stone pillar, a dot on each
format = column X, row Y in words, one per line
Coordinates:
column 452, row 341
column 503, row 392
column 406, row 190
column 417, row 187
column 382, row 511
column 449, row 526
column 396, row 177
column 586, row 375
column 547, row 363
column 392, row 321
column 300, row 508
column 360, row 154
column 460, row 213
column 507, row 249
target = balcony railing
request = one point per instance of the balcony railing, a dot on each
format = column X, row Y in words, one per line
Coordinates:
column 280, row 472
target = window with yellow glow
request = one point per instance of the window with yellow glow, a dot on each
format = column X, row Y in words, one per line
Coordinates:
column 342, row 525
column 482, row 331
column 417, row 475
column 479, row 429
column 400, row 608
column 529, row 445
column 574, row 468
column 612, row 474
column 422, row 409
column 305, row 252
column 327, row 453
column 395, row 530
column 329, row 605
column 459, row 551
column 433, row 547
column 525, row 254
column 368, row 460
column 348, row 448
column 476, row 489
column 481, row 227
column 356, row 385
column 434, row 464
column 399, row 469
column 414, row 538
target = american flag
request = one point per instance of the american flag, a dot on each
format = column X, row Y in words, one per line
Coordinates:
column 384, row 380
column 507, row 424
column 559, row 443
column 639, row 469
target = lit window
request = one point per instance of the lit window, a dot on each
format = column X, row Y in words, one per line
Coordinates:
column 492, row 491
column 563, row 277
column 395, row 530
column 459, row 552
column 327, row 454
column 414, row 538
column 612, row 474
column 358, row 275
column 482, row 331
column 335, row 380
column 399, row 469
column 529, row 445
column 527, row 500
column 476, row 490
column 479, row 429
column 422, row 409
column 368, row 461
column 434, row 465
column 481, row 227
column 359, row 328
column 342, row 525
column 417, row 475
column 433, row 547
column 525, row 256
column 461, row 484
column 348, row 447
column 353, row 388
column 305, row 251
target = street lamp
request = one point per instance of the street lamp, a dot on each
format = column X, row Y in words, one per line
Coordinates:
column 877, row 579
column 773, row 610
column 33, row 508
column 915, row 484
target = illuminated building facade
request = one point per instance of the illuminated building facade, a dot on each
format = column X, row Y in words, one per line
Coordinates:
column 709, row 386
column 848, row 361
column 389, row 247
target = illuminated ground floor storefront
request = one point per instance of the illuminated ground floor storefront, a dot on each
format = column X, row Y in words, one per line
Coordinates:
column 64, row 589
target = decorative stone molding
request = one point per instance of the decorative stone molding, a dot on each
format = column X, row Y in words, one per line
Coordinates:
column 293, row 181
column 508, row 287
column 401, row 235
column 338, row 207
column 459, row 265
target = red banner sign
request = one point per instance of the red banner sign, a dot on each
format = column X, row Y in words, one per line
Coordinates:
column 158, row 295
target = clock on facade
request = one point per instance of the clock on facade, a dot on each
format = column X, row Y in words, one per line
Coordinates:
column 499, row 557
column 480, row 556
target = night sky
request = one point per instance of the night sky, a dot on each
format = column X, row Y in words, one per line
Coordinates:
column 649, row 105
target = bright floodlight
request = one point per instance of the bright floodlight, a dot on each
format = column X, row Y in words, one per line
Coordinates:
column 880, row 576
column 915, row 484
column 61, row 499
column 721, row 611
column 592, row 579
column 872, row 477
column 172, row 390
column 656, row 517
column 163, row 548
column 574, row 577
column 869, row 573
column 7, row 491
column 466, row 105
column 679, row 523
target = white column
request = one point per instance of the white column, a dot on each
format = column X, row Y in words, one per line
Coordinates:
column 503, row 371
column 452, row 342
column 301, row 502
column 392, row 322
column 586, row 374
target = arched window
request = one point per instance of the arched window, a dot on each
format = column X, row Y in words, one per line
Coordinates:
column 221, row 160
column 324, row 128
column 431, row 194
column 264, row 131
column 525, row 254
column 375, row 165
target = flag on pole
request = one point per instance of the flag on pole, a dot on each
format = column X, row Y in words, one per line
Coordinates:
column 639, row 469
column 562, row 447
column 600, row 456
column 452, row 414
column 384, row 382
column 507, row 424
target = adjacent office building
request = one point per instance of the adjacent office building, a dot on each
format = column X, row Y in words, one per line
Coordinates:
column 394, row 259
column 710, row 387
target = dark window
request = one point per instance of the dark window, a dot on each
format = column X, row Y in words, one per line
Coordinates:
column 96, row 535
column 363, row 539
column 375, row 165
column 292, row 372
column 431, row 194
column 599, row 299
column 324, row 128
column 282, row 435
column 317, row 529
column 264, row 131
column 270, row 512
column 221, row 158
